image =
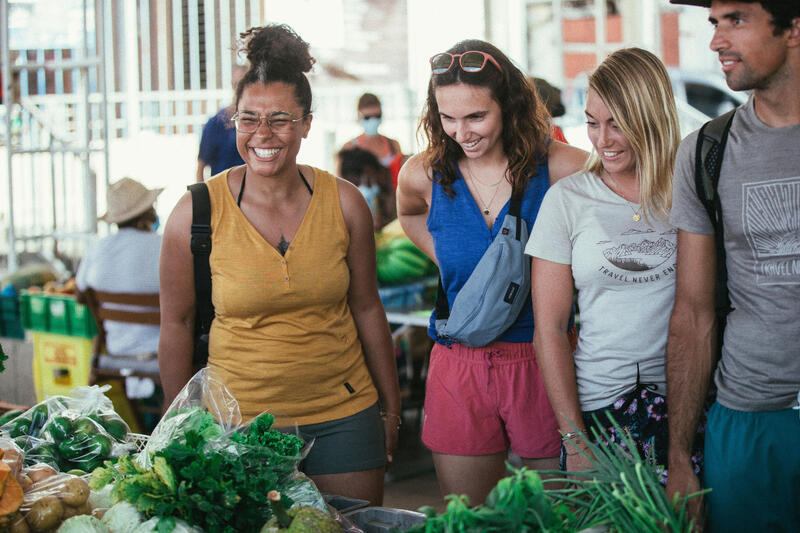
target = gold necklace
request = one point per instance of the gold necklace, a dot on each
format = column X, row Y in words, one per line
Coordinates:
column 496, row 185
column 615, row 188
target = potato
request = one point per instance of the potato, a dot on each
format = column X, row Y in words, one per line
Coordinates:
column 19, row 526
column 74, row 492
column 24, row 481
column 45, row 513
column 13, row 459
column 40, row 471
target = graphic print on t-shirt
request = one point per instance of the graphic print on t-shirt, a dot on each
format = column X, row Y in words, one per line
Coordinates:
column 641, row 250
column 772, row 228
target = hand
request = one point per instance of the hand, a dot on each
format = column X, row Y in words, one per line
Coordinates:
column 575, row 459
column 682, row 481
column 391, row 430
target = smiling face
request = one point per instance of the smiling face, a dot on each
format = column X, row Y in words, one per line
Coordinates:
column 614, row 150
column 752, row 56
column 471, row 117
column 267, row 153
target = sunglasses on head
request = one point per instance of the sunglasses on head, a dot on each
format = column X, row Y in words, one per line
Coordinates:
column 470, row 61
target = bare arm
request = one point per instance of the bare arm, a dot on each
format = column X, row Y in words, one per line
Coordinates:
column 691, row 353
column 564, row 160
column 367, row 309
column 413, row 203
column 201, row 168
column 176, row 288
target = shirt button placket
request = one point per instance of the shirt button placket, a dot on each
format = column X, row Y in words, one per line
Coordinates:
column 285, row 267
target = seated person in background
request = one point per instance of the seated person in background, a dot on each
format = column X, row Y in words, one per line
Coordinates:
column 362, row 169
column 126, row 261
column 386, row 149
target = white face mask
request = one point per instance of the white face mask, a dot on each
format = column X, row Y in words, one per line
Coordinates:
column 371, row 125
column 370, row 193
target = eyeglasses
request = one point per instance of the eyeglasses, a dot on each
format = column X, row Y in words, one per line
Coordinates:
column 277, row 122
column 470, row 61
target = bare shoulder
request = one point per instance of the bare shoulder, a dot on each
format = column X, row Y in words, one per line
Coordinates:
column 180, row 220
column 414, row 175
column 564, row 160
column 354, row 208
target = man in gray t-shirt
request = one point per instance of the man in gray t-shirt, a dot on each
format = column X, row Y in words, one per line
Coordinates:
column 752, row 447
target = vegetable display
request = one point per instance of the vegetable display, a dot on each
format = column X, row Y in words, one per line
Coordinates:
column 619, row 493
column 210, row 479
column 400, row 261
column 69, row 433
column 298, row 519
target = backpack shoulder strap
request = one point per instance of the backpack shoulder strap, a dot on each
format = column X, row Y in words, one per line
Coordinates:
column 201, row 251
column 711, row 142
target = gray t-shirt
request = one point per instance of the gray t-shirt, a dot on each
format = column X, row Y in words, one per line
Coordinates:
column 759, row 190
column 624, row 271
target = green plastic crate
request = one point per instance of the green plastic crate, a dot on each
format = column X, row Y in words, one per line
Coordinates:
column 57, row 313
column 10, row 318
column 81, row 321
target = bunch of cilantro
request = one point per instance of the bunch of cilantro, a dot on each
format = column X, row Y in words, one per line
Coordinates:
column 217, row 483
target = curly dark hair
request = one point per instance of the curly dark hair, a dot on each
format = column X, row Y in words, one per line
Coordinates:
column 526, row 126
column 276, row 53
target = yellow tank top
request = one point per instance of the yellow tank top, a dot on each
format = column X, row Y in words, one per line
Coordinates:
column 284, row 339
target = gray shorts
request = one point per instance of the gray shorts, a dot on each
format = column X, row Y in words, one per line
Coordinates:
column 348, row 444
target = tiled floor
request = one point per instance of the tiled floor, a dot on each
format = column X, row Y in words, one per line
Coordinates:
column 411, row 480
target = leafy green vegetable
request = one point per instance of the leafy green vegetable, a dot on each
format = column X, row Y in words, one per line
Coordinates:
column 207, row 479
column 621, row 492
column 260, row 434
column 3, row 357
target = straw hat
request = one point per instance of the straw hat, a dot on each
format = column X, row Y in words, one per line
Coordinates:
column 128, row 199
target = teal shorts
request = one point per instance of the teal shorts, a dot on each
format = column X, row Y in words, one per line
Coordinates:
column 752, row 465
column 349, row 444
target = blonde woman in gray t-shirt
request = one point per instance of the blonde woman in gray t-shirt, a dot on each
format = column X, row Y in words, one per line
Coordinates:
column 605, row 233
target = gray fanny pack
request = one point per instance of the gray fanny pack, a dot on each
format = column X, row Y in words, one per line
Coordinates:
column 491, row 299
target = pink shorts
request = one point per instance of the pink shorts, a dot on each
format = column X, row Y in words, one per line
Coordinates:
column 478, row 401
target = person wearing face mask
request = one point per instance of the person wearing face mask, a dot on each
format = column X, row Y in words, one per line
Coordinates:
column 126, row 261
column 386, row 149
column 361, row 168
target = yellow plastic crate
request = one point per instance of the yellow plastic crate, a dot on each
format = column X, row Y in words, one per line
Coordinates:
column 60, row 363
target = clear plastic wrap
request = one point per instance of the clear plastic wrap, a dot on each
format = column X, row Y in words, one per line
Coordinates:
column 53, row 499
column 200, row 431
column 70, row 433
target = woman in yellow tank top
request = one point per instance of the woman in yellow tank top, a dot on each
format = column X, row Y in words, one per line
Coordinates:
column 299, row 329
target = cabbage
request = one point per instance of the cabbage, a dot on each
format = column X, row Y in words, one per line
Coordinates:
column 122, row 517
column 180, row 526
column 82, row 524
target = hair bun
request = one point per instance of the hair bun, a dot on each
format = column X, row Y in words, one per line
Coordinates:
column 276, row 47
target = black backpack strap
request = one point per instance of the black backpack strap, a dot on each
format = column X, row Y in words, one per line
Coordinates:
column 709, row 152
column 201, row 251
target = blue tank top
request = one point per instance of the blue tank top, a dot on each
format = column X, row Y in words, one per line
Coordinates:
column 461, row 236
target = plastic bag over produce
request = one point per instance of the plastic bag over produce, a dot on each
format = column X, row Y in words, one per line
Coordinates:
column 202, row 465
column 75, row 432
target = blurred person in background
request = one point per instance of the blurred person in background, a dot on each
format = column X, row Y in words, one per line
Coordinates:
column 362, row 169
column 386, row 149
column 126, row 261
column 488, row 139
column 551, row 96
column 218, row 140
column 299, row 328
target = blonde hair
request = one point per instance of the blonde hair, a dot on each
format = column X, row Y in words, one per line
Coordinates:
column 634, row 85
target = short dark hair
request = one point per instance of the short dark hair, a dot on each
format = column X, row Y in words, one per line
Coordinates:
column 368, row 100
column 353, row 161
column 781, row 11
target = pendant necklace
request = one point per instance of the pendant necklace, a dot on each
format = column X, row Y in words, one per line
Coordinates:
column 496, row 185
column 636, row 216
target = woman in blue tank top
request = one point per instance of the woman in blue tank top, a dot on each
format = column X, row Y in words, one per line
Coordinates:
column 488, row 139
